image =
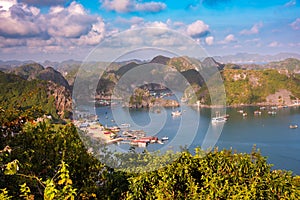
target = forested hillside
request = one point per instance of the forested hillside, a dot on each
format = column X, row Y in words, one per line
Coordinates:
column 20, row 94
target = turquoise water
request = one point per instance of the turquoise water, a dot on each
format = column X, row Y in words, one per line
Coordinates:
column 271, row 134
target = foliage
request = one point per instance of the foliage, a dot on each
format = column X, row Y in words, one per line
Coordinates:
column 253, row 86
column 218, row 175
column 19, row 94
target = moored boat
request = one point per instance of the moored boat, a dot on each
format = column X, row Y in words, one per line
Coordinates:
column 293, row 126
column 176, row 113
column 165, row 138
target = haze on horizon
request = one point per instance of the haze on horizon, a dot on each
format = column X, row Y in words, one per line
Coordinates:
column 61, row 29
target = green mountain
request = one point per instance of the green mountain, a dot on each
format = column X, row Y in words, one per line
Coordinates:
column 268, row 86
column 19, row 94
column 36, row 71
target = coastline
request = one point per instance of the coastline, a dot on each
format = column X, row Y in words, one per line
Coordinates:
column 242, row 105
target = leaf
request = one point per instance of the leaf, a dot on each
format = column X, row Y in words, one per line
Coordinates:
column 11, row 168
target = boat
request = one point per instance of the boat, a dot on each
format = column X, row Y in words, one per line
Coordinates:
column 240, row 111
column 293, row 126
column 124, row 125
column 165, row 138
column 257, row 112
column 218, row 119
column 272, row 113
column 176, row 113
column 245, row 114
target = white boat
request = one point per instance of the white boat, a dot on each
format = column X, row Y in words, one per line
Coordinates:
column 176, row 113
column 165, row 138
column 124, row 125
column 293, row 126
column 218, row 119
column 245, row 114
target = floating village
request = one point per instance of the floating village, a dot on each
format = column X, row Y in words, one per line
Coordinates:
column 121, row 134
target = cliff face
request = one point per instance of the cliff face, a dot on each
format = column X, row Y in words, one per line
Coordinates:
column 143, row 99
column 62, row 98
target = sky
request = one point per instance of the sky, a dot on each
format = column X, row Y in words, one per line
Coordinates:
column 64, row 29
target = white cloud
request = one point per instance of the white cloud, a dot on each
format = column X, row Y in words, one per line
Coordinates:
column 254, row 30
column 23, row 25
column 197, row 29
column 18, row 20
column 71, row 22
column 209, row 40
column 154, row 24
column 6, row 4
column 290, row 3
column 296, row 24
column 228, row 39
column 124, row 6
column 274, row 44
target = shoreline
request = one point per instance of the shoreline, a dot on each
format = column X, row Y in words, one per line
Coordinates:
column 242, row 105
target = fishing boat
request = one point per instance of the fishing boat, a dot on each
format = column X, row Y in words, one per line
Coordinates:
column 293, row 126
column 176, row 113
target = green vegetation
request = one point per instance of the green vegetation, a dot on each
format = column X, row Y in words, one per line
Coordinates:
column 49, row 161
column 19, row 94
column 253, row 86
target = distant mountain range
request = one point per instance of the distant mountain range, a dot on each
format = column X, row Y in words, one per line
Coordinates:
column 241, row 58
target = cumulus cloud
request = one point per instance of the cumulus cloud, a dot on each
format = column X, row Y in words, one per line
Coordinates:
column 21, row 24
column 209, row 40
column 71, row 22
column 124, row 6
column 18, row 20
column 296, row 24
column 197, row 29
column 254, row 30
column 228, row 39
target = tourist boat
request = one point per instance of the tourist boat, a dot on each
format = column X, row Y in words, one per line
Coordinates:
column 293, row 126
column 124, row 125
column 218, row 119
column 165, row 138
column 176, row 113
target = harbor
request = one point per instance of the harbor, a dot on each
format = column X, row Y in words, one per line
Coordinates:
column 117, row 134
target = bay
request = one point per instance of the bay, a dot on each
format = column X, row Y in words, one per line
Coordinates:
column 270, row 134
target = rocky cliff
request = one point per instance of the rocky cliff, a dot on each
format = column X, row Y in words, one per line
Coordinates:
column 62, row 99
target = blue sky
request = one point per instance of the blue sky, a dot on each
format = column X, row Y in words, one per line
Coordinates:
column 62, row 29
